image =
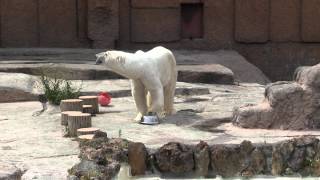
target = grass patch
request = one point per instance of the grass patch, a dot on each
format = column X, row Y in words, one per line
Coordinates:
column 56, row 89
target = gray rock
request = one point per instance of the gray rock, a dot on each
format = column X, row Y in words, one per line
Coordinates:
column 207, row 73
column 137, row 155
column 174, row 158
column 73, row 177
column 18, row 87
column 258, row 161
column 308, row 76
column 281, row 91
column 278, row 164
column 90, row 170
column 9, row 172
column 287, row 105
column 246, row 148
column 225, row 160
column 202, row 159
column 297, row 159
column 286, row 149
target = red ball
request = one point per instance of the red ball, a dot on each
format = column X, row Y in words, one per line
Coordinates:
column 104, row 99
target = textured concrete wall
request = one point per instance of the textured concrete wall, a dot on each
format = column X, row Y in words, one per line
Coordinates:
column 18, row 23
column 275, row 35
column 103, row 22
column 251, row 20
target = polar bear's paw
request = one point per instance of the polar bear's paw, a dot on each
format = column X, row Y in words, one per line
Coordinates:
column 138, row 118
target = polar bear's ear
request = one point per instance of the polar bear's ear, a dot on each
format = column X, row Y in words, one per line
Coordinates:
column 101, row 54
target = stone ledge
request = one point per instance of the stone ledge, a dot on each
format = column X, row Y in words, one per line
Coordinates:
column 22, row 87
column 294, row 157
column 209, row 73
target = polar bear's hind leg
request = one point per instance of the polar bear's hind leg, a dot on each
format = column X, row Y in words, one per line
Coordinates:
column 169, row 92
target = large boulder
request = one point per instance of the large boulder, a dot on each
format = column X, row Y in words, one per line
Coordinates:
column 308, row 76
column 100, row 158
column 137, row 156
column 207, row 73
column 287, row 105
column 202, row 159
column 238, row 160
column 174, row 158
column 296, row 156
column 9, row 172
column 18, row 87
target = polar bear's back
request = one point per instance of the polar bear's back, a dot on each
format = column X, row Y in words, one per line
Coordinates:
column 164, row 61
column 160, row 53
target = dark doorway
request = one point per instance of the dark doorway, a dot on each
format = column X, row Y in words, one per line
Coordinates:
column 192, row 20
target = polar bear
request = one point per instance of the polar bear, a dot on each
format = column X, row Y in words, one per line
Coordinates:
column 153, row 77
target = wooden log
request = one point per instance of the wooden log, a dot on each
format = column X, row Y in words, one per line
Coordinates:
column 77, row 121
column 71, row 105
column 84, row 131
column 87, row 109
column 91, row 100
column 64, row 116
column 86, row 137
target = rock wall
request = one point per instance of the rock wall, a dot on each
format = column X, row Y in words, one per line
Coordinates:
column 101, row 158
column 287, row 105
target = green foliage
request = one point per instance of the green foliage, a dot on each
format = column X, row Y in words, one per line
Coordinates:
column 56, row 89
column 119, row 133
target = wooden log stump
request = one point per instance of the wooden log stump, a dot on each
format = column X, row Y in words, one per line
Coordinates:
column 71, row 105
column 86, row 137
column 64, row 116
column 84, row 131
column 77, row 121
column 91, row 100
column 87, row 109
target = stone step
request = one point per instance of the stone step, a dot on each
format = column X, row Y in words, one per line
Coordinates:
column 208, row 73
column 22, row 87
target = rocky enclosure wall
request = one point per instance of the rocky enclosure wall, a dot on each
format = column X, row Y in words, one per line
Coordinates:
column 275, row 35
column 287, row 105
column 101, row 158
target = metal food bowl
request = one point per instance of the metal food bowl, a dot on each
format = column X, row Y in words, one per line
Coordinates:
column 150, row 119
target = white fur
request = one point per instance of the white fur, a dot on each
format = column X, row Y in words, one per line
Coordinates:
column 153, row 77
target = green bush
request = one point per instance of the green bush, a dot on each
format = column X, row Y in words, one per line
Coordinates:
column 56, row 89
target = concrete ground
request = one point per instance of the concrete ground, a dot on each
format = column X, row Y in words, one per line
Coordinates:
column 35, row 143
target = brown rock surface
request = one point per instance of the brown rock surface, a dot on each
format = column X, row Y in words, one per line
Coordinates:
column 252, row 22
column 202, row 159
column 103, row 22
column 285, row 20
column 175, row 158
column 19, row 25
column 219, row 27
column 310, row 14
column 137, row 157
column 165, row 30
column 225, row 160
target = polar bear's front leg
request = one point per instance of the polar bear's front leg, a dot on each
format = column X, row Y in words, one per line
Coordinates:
column 139, row 95
column 157, row 101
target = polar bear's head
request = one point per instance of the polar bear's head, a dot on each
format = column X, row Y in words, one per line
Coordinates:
column 101, row 58
column 110, row 58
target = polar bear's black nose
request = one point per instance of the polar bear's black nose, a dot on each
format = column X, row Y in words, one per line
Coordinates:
column 98, row 61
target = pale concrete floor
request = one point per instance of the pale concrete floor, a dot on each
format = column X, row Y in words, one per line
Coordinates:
column 36, row 143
